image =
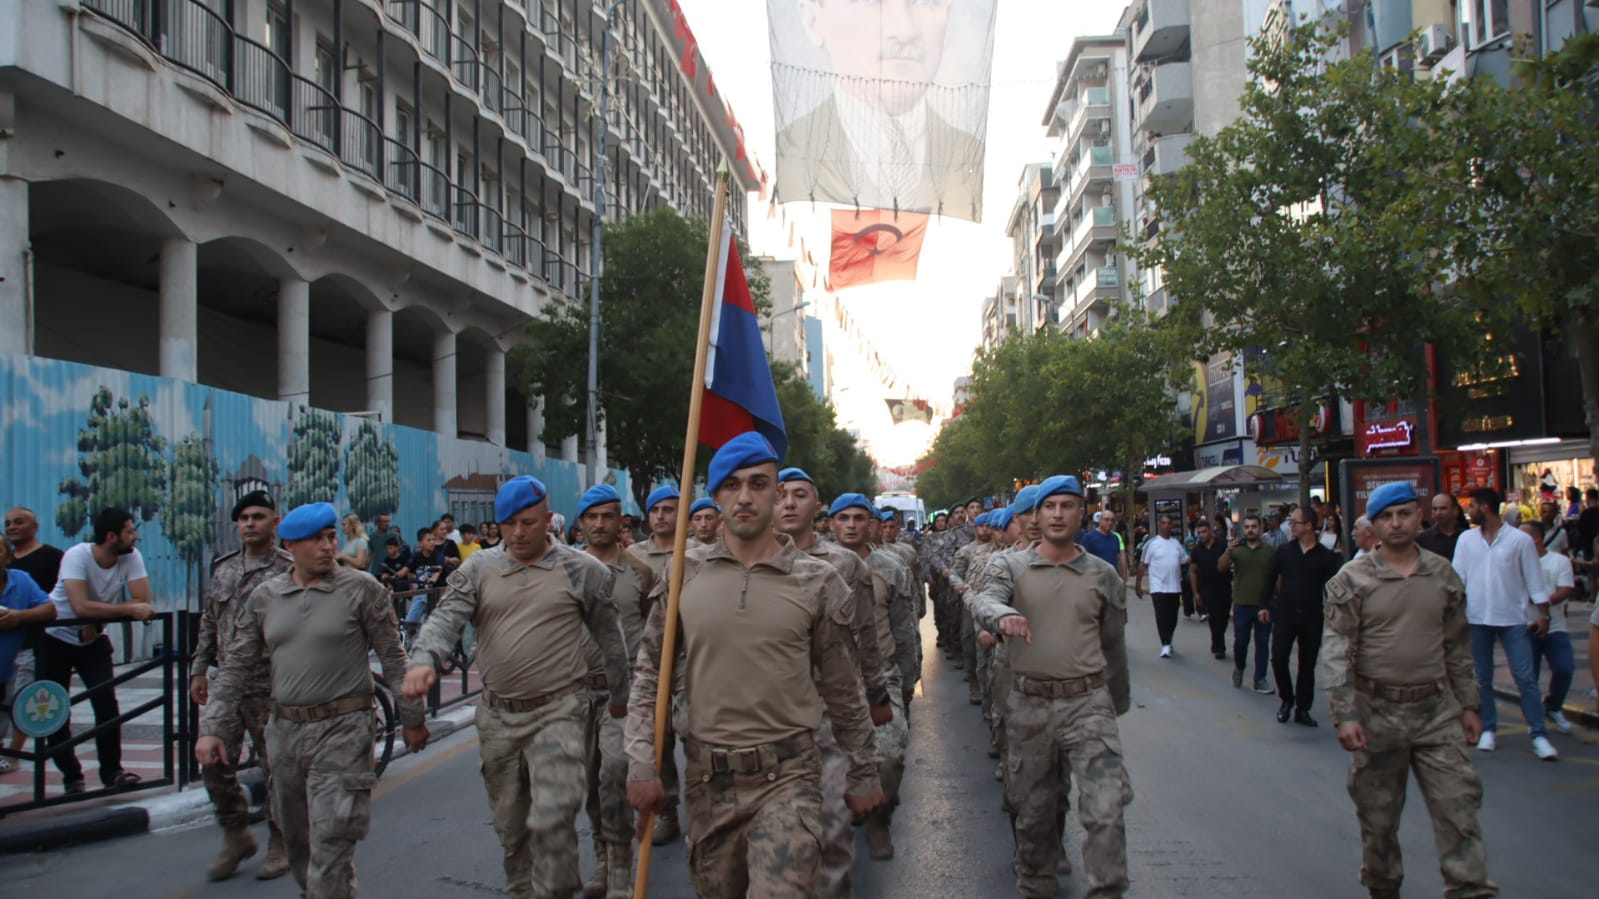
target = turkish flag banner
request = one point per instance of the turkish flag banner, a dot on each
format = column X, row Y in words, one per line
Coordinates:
column 872, row 245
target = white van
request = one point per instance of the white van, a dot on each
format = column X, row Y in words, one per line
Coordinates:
column 910, row 509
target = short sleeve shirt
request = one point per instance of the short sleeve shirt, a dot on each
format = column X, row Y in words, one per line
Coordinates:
column 1557, row 573
column 1105, row 546
column 105, row 584
column 20, row 595
column 1165, row 557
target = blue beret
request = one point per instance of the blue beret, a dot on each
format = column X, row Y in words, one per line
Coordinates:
column 660, row 495
column 701, row 505
column 851, row 501
column 748, row 448
column 886, row 515
column 517, row 494
column 306, row 521
column 793, row 474
column 598, row 495
column 1026, row 499
column 1060, row 483
column 981, row 521
column 999, row 518
column 1391, row 494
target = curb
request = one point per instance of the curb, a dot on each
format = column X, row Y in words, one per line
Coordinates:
column 1576, row 714
column 172, row 811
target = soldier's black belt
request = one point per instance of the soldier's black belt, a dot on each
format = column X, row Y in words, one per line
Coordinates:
column 751, row 759
column 301, row 714
column 1057, row 689
column 502, row 704
column 1396, row 693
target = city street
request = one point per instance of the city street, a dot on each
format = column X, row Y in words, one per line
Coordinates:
column 1229, row 804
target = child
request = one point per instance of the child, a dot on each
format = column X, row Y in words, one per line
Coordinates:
column 396, row 571
column 427, row 568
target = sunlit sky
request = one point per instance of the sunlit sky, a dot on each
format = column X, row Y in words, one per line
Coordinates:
column 927, row 329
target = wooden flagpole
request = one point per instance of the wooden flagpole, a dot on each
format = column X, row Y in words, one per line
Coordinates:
column 691, row 445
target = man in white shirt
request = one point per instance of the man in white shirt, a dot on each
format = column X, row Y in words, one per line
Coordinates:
column 93, row 576
column 1556, row 644
column 1162, row 559
column 1365, row 536
column 1499, row 566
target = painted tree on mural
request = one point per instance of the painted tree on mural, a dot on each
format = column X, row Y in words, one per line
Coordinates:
column 313, row 458
column 372, row 473
column 122, row 463
column 191, row 504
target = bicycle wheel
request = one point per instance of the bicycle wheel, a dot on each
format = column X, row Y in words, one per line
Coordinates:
column 383, row 712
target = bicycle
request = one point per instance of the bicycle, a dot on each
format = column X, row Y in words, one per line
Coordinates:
column 386, row 724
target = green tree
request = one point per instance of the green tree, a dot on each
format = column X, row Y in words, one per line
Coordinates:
column 372, row 473
column 1304, row 229
column 650, row 306
column 191, row 504
column 313, row 458
column 122, row 463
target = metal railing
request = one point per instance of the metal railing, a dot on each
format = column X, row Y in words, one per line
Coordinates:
column 460, row 660
column 361, row 144
column 260, row 78
column 315, row 113
column 435, row 191
column 402, row 174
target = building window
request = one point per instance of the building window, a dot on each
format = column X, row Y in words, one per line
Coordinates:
column 1484, row 21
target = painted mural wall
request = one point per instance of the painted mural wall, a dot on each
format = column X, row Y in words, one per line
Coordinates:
column 77, row 438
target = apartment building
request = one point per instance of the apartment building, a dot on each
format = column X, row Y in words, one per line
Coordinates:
column 1031, row 228
column 352, row 204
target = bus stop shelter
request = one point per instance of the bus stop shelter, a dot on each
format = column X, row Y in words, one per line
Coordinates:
column 1208, row 482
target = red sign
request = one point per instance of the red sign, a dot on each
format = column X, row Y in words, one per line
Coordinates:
column 1391, row 437
column 1274, row 426
column 1464, row 472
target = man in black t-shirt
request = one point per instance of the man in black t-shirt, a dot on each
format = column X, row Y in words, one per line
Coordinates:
column 41, row 561
column 1213, row 588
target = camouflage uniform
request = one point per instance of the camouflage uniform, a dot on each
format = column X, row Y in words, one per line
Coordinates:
column 660, row 561
column 969, row 560
column 895, row 620
column 764, row 651
column 233, row 577
column 1397, row 659
column 317, row 640
column 530, row 620
column 1068, row 685
column 905, row 549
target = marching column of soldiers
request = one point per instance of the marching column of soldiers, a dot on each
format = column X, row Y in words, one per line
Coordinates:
column 797, row 658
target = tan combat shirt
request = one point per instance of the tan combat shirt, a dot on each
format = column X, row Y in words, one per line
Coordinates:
column 1397, row 630
column 751, row 639
column 658, row 559
column 530, row 621
column 1077, row 613
column 317, row 640
column 233, row 577
column 868, row 649
column 894, row 616
column 632, row 581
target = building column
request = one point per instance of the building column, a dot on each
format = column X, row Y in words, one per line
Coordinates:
column 380, row 363
column 179, row 308
column 569, row 449
column 444, row 384
column 16, row 271
column 494, row 395
column 294, row 341
column 535, row 428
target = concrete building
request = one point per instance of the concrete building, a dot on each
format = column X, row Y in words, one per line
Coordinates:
column 783, row 326
column 1000, row 312
column 1031, row 228
column 818, row 365
column 1089, row 114
column 351, row 204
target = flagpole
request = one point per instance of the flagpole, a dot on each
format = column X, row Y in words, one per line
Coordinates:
column 691, row 444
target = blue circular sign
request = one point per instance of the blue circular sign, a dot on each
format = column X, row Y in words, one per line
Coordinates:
column 41, row 708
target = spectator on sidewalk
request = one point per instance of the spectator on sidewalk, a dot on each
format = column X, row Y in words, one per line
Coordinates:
column 450, row 532
column 488, row 535
column 1555, row 645
column 1557, row 532
column 1299, row 574
column 448, row 546
column 93, row 576
column 383, row 528
column 428, row 567
column 357, row 549
column 469, row 542
column 42, row 562
column 396, row 571
column 1161, row 561
column 22, row 604
column 1213, row 586
column 1446, row 526
column 1365, row 536
column 1499, row 566
column 1249, row 562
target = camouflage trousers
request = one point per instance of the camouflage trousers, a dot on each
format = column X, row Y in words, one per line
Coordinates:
column 222, row 780
column 892, row 740
column 985, row 679
column 999, row 696
column 1424, row 736
column 605, row 768
column 969, row 651
column 837, row 830
column 755, row 833
column 322, row 796
column 533, row 772
column 1047, row 741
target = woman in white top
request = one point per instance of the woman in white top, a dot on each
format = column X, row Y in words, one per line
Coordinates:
column 356, row 551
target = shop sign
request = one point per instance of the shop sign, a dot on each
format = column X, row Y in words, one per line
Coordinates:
column 1219, row 454
column 1281, row 425
column 1390, row 436
column 1361, row 476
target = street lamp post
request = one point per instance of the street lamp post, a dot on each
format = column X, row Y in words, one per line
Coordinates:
column 597, row 262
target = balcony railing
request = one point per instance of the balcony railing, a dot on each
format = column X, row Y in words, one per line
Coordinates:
column 260, row 78
column 402, row 174
column 315, row 113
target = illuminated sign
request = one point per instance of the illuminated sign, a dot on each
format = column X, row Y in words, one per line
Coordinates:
column 1389, row 435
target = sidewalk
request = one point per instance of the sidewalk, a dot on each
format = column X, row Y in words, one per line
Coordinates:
column 142, row 753
column 1581, row 700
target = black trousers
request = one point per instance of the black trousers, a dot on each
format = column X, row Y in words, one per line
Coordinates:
column 1218, row 604
column 1188, row 594
column 1165, row 615
column 57, row 660
column 1287, row 628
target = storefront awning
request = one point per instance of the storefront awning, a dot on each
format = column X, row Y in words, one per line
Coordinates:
column 1220, row 477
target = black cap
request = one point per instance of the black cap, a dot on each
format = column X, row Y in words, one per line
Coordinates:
column 254, row 498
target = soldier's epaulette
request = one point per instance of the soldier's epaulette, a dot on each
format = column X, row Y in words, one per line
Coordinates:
column 223, row 558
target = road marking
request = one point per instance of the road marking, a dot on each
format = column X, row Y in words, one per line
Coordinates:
column 428, row 763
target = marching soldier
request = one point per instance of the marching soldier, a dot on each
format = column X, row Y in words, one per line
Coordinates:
column 610, row 817
column 895, row 619
column 531, row 600
column 968, row 561
column 797, row 507
column 656, row 551
column 704, row 519
column 1022, row 531
column 765, row 648
column 1397, row 665
column 1063, row 615
column 233, row 577
column 316, row 625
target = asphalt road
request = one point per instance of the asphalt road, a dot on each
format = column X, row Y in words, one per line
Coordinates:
column 1229, row 804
